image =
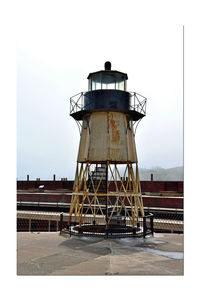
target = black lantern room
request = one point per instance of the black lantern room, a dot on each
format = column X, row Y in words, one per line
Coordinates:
column 107, row 92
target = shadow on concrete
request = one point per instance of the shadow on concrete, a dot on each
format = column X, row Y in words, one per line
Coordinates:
column 86, row 244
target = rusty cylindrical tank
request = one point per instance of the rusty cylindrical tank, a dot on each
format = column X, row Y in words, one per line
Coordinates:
column 107, row 136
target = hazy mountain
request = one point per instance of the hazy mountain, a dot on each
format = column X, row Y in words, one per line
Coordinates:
column 172, row 174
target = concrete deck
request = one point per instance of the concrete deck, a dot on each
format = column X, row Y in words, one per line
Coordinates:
column 48, row 253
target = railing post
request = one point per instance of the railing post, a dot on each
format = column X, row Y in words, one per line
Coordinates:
column 145, row 105
column 134, row 101
column 106, row 232
column 151, row 224
column 61, row 222
column 29, row 225
column 69, row 225
column 144, row 227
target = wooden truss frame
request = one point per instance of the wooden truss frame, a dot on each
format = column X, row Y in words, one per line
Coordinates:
column 122, row 191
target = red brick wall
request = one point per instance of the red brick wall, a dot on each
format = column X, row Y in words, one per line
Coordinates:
column 152, row 201
column 163, row 202
column 146, row 186
column 32, row 197
column 48, row 184
column 160, row 186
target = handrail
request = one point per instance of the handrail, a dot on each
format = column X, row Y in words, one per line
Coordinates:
column 137, row 103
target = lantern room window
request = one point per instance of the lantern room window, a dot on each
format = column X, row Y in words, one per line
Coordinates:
column 111, row 80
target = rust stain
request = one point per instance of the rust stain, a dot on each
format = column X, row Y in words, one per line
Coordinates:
column 115, row 153
column 83, row 146
column 115, row 132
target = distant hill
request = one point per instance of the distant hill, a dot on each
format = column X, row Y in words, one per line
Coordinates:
column 159, row 174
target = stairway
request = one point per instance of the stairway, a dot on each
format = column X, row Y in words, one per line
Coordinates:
column 96, row 176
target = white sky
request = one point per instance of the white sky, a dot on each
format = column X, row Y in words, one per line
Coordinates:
column 59, row 45
column 71, row 33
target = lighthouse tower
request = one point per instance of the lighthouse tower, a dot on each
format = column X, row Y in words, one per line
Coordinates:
column 107, row 195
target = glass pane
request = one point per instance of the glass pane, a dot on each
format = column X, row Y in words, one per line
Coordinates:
column 111, row 86
column 121, row 85
column 93, row 85
column 98, row 85
column 89, row 85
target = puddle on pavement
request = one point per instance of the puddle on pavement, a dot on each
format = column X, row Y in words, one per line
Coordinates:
column 146, row 244
column 174, row 255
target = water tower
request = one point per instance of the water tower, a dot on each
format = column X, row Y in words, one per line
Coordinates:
column 107, row 196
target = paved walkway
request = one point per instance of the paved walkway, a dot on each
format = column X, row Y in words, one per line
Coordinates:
column 48, row 253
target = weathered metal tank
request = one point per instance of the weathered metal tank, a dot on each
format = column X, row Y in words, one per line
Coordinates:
column 107, row 136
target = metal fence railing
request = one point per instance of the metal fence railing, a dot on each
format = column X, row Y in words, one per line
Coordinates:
column 35, row 221
column 137, row 102
column 97, row 228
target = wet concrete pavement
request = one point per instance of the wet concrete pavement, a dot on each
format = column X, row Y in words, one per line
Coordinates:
column 48, row 253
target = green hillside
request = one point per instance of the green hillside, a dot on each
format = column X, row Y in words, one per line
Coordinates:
column 172, row 174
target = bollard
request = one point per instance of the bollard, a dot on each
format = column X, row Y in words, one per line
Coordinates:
column 61, row 222
column 27, row 177
column 134, row 231
column 56, row 225
column 144, row 227
column 80, row 231
column 151, row 224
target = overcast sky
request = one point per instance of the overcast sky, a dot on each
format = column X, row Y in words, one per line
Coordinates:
column 58, row 46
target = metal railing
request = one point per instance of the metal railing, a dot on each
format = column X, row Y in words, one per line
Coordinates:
column 147, row 224
column 56, row 221
column 69, row 225
column 76, row 102
column 137, row 103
